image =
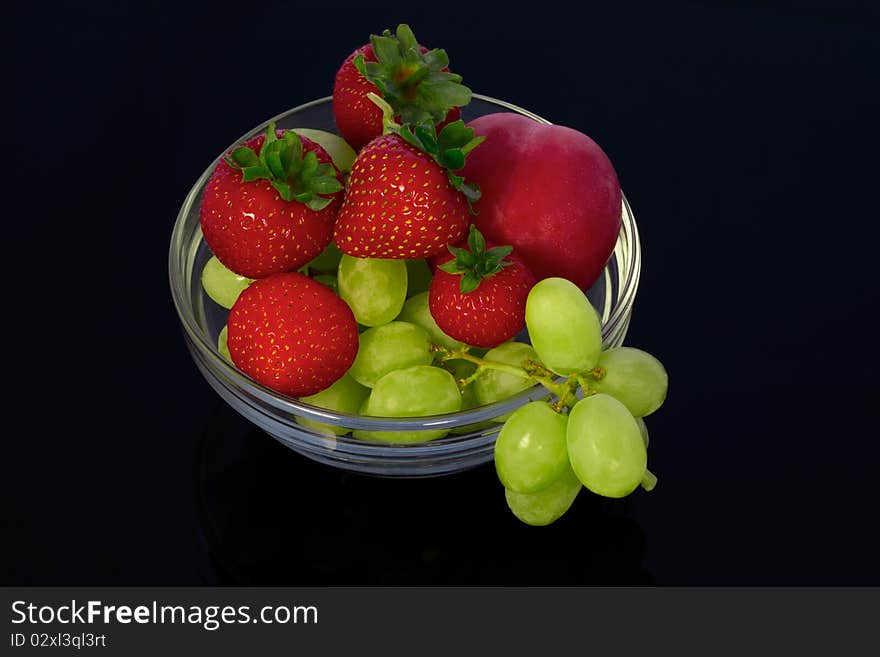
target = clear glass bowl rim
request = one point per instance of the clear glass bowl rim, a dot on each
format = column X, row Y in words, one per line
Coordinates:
column 289, row 407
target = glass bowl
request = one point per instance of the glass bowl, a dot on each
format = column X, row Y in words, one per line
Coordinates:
column 472, row 433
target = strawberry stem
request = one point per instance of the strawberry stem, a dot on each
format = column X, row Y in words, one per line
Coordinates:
column 389, row 125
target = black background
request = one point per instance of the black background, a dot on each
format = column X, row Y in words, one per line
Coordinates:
column 744, row 138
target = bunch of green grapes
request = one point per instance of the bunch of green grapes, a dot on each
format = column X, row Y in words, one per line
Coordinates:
column 590, row 433
column 593, row 435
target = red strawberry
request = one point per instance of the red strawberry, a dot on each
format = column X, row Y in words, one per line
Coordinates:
column 402, row 199
column 271, row 204
column 415, row 81
column 292, row 334
column 478, row 296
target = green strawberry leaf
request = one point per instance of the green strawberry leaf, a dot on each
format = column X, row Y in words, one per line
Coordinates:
column 456, row 181
column 412, row 82
column 469, row 282
column 454, row 135
column 466, row 259
column 408, row 40
column 428, row 141
column 271, row 134
column 471, row 145
column 476, row 263
column 360, row 64
column 272, row 156
column 444, row 89
column 324, row 185
column 416, row 115
column 476, row 242
column 254, row 173
column 386, row 49
column 317, row 203
column 244, row 157
column 294, row 151
column 283, row 189
column 452, row 267
column 452, row 159
column 281, row 162
column 407, row 135
column 499, row 253
column 470, row 190
column 309, row 166
column 285, row 158
column 436, row 59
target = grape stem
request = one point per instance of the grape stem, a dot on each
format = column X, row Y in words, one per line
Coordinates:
column 582, row 380
column 597, row 373
column 565, row 390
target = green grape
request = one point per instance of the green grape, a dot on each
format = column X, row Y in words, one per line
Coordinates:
column 337, row 148
column 327, row 261
column 362, row 409
column 416, row 310
column 563, row 327
column 394, row 346
column 493, row 385
column 221, row 284
column 345, row 396
column 222, row 345
column 419, row 275
column 531, row 451
column 546, row 505
column 374, row 288
column 633, row 377
column 605, row 446
column 412, row 392
column 643, row 429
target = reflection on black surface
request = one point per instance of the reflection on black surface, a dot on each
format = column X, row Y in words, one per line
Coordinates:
column 270, row 516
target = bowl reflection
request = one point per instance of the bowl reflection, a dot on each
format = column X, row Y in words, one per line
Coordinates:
column 267, row 516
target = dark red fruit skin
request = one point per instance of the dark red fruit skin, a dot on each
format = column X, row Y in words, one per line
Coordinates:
column 358, row 118
column 253, row 231
column 488, row 316
column 550, row 192
column 292, row 334
column 398, row 203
